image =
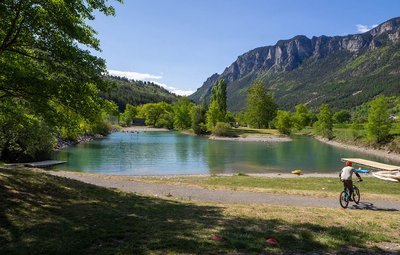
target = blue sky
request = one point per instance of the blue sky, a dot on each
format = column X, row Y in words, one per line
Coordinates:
column 180, row 43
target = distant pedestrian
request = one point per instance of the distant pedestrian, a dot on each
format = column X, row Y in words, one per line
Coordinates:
column 346, row 177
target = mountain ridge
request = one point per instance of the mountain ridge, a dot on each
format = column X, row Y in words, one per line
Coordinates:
column 289, row 56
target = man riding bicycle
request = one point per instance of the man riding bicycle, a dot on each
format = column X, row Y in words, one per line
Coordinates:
column 346, row 177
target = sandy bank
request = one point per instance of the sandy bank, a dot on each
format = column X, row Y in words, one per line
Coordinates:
column 263, row 175
column 253, row 139
column 143, row 129
column 371, row 151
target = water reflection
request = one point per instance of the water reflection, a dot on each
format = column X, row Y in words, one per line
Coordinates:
column 164, row 153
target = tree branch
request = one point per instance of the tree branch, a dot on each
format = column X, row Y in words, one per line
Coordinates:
column 12, row 29
column 26, row 54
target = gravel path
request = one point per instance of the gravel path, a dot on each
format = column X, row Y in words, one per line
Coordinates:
column 219, row 196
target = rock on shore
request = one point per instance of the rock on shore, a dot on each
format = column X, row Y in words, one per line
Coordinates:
column 64, row 143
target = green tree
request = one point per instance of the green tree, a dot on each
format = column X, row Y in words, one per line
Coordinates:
column 23, row 136
column 301, row 117
column 126, row 118
column 217, row 109
column 378, row 125
column 158, row 114
column 151, row 112
column 214, row 115
column 342, row 116
column 324, row 125
column 182, row 113
column 46, row 73
column 198, row 116
column 283, row 122
column 219, row 95
column 260, row 107
column 40, row 55
column 167, row 116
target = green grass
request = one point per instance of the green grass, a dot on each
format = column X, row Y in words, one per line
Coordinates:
column 359, row 138
column 314, row 186
column 245, row 132
column 42, row 214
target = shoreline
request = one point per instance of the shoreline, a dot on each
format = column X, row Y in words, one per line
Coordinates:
column 366, row 150
column 261, row 175
column 251, row 138
column 136, row 129
column 62, row 144
column 273, row 139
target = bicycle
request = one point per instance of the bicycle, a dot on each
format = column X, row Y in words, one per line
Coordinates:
column 344, row 198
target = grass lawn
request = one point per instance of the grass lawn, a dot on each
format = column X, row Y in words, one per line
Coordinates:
column 248, row 132
column 346, row 135
column 42, row 214
column 371, row 188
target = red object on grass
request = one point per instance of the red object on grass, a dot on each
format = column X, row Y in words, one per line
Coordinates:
column 216, row 237
column 271, row 240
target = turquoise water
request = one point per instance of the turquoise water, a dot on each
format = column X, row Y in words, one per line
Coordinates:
column 166, row 153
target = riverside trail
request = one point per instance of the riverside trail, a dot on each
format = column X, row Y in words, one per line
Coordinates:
column 125, row 184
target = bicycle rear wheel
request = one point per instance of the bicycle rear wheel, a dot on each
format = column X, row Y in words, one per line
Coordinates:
column 344, row 199
column 356, row 195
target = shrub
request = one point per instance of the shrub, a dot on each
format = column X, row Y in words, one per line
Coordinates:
column 25, row 139
column 102, row 127
column 222, row 129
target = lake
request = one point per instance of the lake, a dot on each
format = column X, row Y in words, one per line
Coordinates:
column 169, row 153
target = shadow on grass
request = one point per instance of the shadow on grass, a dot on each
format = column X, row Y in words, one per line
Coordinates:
column 43, row 214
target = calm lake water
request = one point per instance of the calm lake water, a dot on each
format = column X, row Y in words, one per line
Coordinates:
column 165, row 153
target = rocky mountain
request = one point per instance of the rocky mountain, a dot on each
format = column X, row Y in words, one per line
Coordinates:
column 343, row 71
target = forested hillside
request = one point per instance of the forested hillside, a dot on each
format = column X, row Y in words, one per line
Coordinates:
column 134, row 92
column 343, row 71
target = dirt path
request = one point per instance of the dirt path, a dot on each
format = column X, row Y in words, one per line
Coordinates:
column 219, row 196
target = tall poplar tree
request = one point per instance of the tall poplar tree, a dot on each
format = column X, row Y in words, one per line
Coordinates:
column 217, row 109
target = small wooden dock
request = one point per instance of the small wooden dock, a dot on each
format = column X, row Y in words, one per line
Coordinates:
column 46, row 163
column 372, row 164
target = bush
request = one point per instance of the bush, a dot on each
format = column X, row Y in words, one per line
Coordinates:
column 222, row 129
column 342, row 116
column 26, row 139
column 102, row 127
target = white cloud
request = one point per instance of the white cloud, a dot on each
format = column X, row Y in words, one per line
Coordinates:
column 364, row 28
column 134, row 75
column 175, row 90
column 149, row 77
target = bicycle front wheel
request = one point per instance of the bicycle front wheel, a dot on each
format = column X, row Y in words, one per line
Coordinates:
column 356, row 195
column 343, row 199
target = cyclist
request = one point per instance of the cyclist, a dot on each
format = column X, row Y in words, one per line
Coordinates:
column 346, row 177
